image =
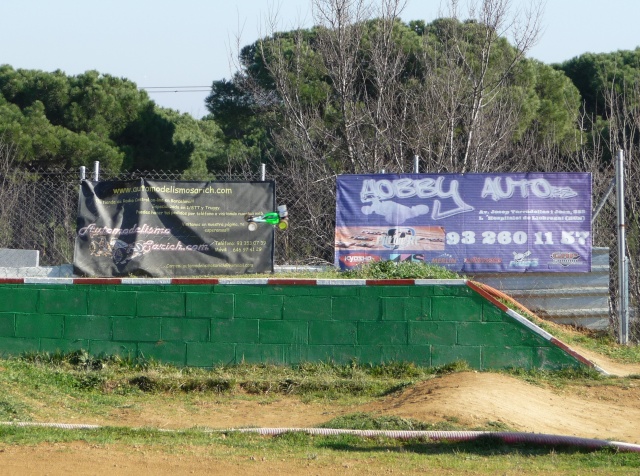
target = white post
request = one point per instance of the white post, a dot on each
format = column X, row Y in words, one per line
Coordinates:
column 263, row 172
column 83, row 172
column 416, row 164
column 623, row 279
column 96, row 171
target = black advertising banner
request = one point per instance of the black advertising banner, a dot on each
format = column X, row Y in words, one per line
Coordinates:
column 159, row 228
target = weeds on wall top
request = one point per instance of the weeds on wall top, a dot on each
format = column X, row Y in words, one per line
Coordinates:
column 402, row 270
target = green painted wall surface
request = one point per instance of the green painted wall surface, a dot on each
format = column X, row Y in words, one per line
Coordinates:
column 207, row 325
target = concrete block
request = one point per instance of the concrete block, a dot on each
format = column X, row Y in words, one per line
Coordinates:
column 234, row 330
column 140, row 329
column 497, row 334
column 169, row 304
column 111, row 303
column 62, row 271
column 384, row 354
column 58, row 300
column 260, row 353
column 184, row 329
column 435, row 333
column 339, row 354
column 63, row 346
column 445, row 308
column 87, row 327
column 206, row 354
column 333, row 333
column 403, row 309
column 307, row 307
column 296, row 353
column 447, row 354
column 259, row 306
column 491, row 313
column 288, row 290
column 7, row 324
column 38, row 325
column 216, row 305
column 19, row 258
column 104, row 348
column 382, row 333
column 355, row 308
column 18, row 299
column 511, row 357
column 170, row 352
column 552, row 358
column 284, row 332
column 10, row 346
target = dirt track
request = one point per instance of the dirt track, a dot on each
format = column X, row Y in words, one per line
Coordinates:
column 472, row 399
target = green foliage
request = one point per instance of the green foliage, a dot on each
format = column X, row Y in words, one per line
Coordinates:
column 244, row 125
column 560, row 378
column 68, row 121
column 605, row 343
column 553, row 105
column 609, row 84
column 453, row 367
column 402, row 270
column 594, row 74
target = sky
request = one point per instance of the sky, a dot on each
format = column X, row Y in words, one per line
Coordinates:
column 166, row 46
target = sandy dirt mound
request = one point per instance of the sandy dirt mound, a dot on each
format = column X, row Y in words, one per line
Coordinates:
column 475, row 399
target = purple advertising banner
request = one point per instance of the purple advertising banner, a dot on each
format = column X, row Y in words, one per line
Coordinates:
column 521, row 222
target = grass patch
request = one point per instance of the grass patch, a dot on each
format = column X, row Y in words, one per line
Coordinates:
column 368, row 421
column 604, row 343
column 563, row 377
column 402, row 270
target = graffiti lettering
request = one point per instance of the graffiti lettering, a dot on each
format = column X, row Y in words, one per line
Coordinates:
column 379, row 193
column 539, row 187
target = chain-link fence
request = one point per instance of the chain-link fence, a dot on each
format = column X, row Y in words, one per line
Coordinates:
column 605, row 233
column 38, row 212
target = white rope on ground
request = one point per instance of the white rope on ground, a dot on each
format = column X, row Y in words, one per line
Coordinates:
column 66, row 426
column 445, row 436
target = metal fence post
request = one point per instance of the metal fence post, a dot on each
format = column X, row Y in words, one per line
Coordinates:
column 83, row 172
column 263, row 172
column 416, row 164
column 603, row 201
column 623, row 277
column 96, row 171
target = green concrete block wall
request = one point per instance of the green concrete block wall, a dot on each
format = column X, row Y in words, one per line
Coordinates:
column 14, row 299
column 7, row 324
column 204, row 325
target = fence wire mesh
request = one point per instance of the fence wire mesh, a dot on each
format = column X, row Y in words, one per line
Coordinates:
column 605, row 232
column 38, row 211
